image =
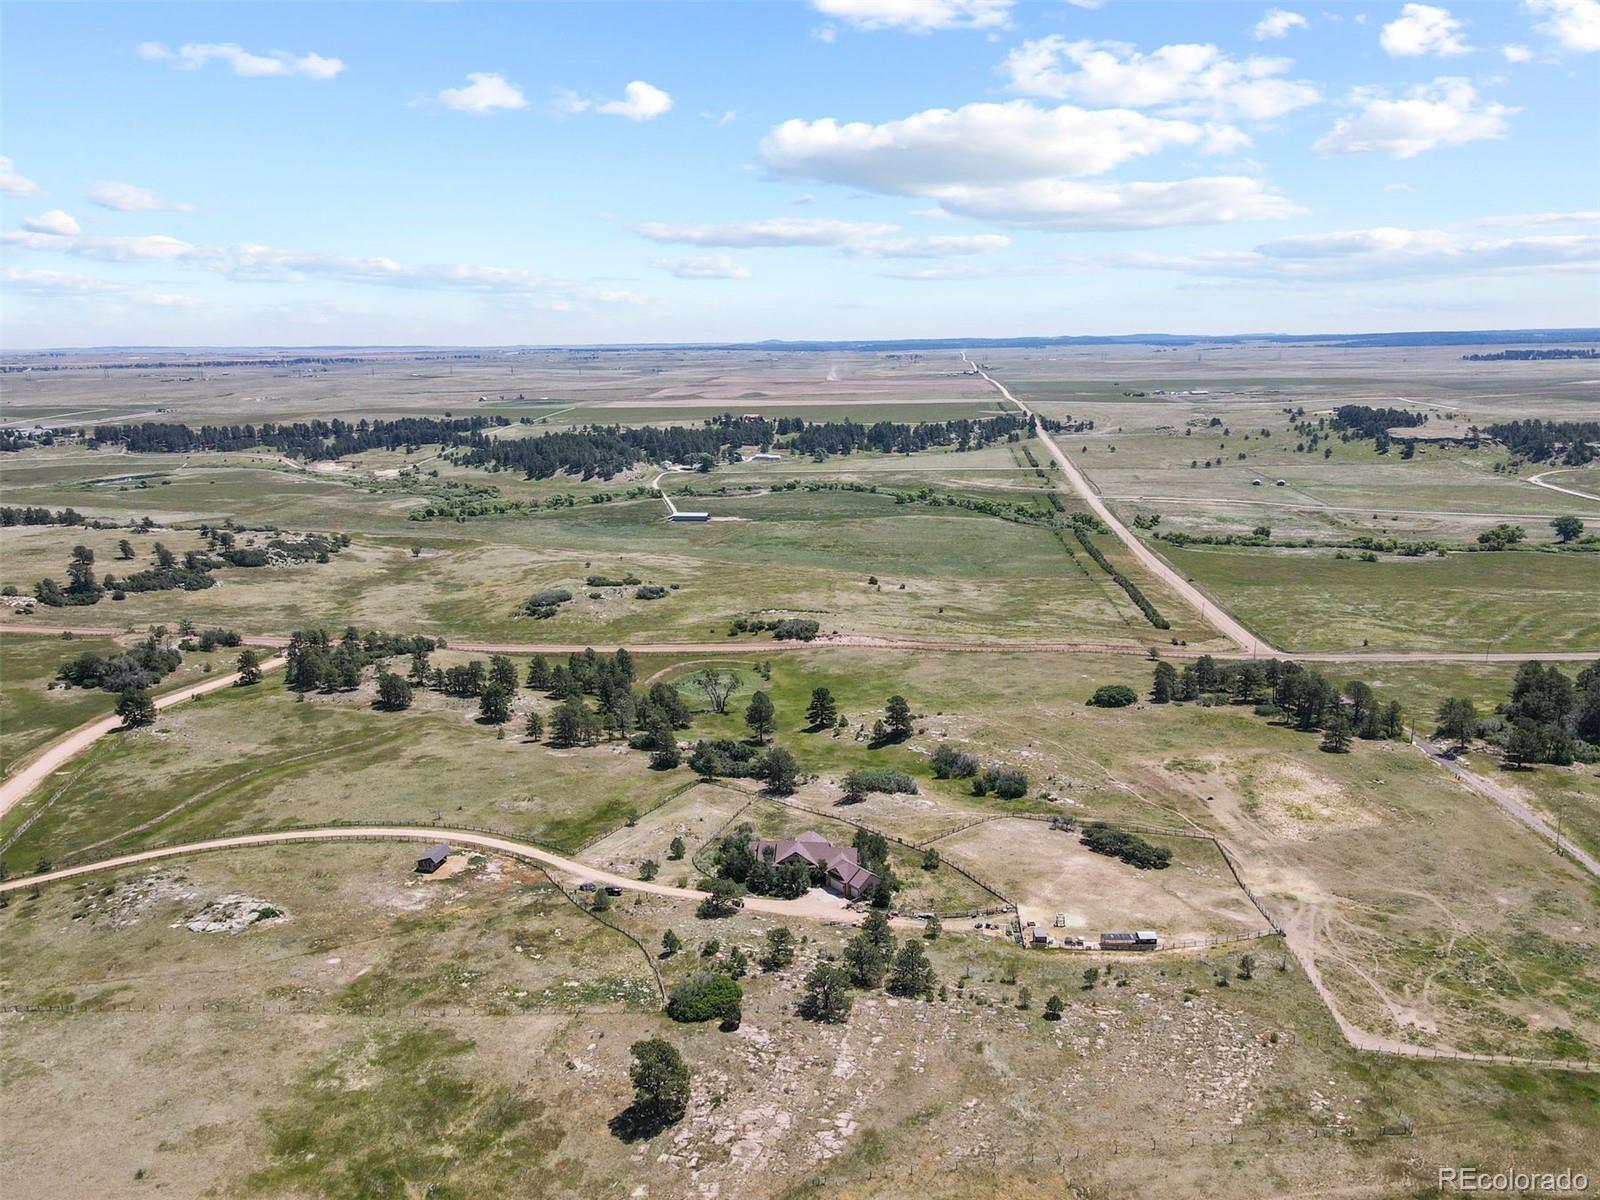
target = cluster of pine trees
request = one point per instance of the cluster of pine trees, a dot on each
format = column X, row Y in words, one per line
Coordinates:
column 309, row 440
column 1548, row 718
column 318, row 663
column 1572, row 443
column 1306, row 697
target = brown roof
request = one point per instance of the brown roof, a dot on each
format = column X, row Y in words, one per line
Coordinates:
column 814, row 849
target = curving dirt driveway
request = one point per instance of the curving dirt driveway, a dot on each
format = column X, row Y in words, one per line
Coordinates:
column 1538, row 481
column 61, row 751
column 1152, row 562
column 813, row 906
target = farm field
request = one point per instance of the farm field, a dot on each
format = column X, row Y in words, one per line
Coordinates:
column 1309, row 600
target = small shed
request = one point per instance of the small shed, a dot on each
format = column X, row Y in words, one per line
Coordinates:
column 765, row 457
column 433, row 859
column 682, row 515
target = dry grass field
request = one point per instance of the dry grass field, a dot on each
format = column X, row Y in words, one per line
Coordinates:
column 468, row 1034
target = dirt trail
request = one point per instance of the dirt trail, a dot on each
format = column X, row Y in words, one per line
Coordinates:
column 1508, row 801
column 61, row 751
column 1300, row 932
column 746, row 649
column 813, row 906
column 1538, row 481
column 1209, row 612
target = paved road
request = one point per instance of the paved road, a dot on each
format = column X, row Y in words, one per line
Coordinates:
column 1509, row 802
column 1152, row 562
column 61, row 751
column 814, row 906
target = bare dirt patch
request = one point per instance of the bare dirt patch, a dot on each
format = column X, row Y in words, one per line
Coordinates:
column 1049, row 873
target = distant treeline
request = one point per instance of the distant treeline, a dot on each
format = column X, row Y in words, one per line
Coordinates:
column 603, row 451
column 82, row 364
column 887, row 437
column 1572, row 442
column 310, row 440
column 598, row 451
column 1529, row 355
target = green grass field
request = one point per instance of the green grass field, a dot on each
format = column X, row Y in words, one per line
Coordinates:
column 1309, row 600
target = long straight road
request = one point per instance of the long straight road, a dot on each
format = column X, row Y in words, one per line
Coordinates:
column 1509, row 803
column 1209, row 612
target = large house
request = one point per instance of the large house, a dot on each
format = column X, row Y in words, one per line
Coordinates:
column 841, row 872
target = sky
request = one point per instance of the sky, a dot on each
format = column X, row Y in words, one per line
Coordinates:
column 489, row 174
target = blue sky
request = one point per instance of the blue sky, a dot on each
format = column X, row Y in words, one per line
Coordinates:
column 249, row 174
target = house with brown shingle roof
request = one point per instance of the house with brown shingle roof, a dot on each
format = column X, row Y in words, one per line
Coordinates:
column 841, row 872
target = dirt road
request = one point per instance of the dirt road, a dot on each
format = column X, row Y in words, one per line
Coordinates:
column 745, row 649
column 1508, row 801
column 1538, row 481
column 815, row 905
column 1209, row 612
column 61, row 751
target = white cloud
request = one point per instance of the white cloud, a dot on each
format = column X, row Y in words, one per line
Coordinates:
column 125, row 197
column 1276, row 23
column 1062, row 205
column 1005, row 163
column 55, row 283
column 1573, row 23
column 979, row 142
column 1423, row 29
column 1383, row 253
column 54, row 223
column 14, row 184
column 68, row 285
column 775, row 231
column 918, row 16
column 191, row 56
column 1543, row 218
column 1398, row 187
column 640, row 102
column 1185, row 80
column 859, row 239
column 1446, row 112
column 253, row 263
column 720, row 119
column 948, row 246
column 704, row 266
column 484, row 92
column 1516, row 54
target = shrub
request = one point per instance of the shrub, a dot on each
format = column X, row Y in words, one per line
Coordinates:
column 878, row 779
column 650, row 591
column 950, row 763
column 795, row 629
column 1129, row 847
column 705, row 996
column 1008, row 783
column 1113, row 695
column 542, row 605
